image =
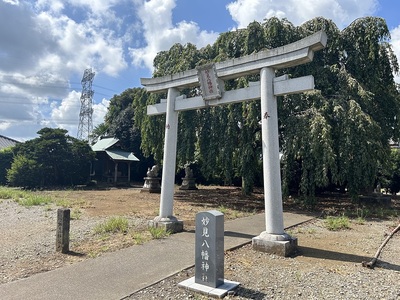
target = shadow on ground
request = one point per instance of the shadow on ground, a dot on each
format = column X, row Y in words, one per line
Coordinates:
column 339, row 256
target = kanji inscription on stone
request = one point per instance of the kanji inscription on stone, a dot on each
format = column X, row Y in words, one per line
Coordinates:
column 209, row 83
column 209, row 248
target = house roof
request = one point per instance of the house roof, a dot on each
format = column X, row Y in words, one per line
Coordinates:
column 105, row 145
column 6, row 142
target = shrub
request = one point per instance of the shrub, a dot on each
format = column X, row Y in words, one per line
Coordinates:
column 24, row 172
column 6, row 157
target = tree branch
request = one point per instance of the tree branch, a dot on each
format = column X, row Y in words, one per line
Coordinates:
column 372, row 263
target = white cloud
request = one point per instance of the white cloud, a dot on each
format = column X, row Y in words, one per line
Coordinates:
column 99, row 112
column 395, row 34
column 160, row 34
column 96, row 6
column 13, row 2
column 80, row 45
column 44, row 43
column 55, row 6
column 66, row 114
column 342, row 12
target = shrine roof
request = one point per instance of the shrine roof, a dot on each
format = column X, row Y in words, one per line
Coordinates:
column 104, row 143
column 121, row 155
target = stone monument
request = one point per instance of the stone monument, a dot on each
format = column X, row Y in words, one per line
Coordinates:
column 209, row 256
column 188, row 182
column 151, row 181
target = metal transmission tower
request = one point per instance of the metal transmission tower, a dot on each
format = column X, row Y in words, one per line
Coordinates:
column 85, row 116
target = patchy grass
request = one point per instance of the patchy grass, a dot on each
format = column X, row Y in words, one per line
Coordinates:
column 139, row 238
column 34, row 200
column 337, row 223
column 158, row 232
column 76, row 214
column 112, row 225
column 24, row 198
column 10, row 193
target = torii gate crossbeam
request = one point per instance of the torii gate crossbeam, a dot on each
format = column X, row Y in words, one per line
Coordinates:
column 273, row 239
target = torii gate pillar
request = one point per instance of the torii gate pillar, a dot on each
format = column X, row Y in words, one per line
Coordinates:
column 273, row 239
column 165, row 218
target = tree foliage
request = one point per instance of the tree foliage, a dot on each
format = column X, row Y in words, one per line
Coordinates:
column 6, row 157
column 337, row 135
column 54, row 158
column 124, row 112
column 390, row 179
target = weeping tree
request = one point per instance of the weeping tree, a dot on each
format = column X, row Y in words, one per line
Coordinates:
column 336, row 135
column 340, row 134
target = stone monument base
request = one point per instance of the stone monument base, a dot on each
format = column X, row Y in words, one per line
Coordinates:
column 151, row 185
column 170, row 224
column 218, row 292
column 282, row 245
column 188, row 184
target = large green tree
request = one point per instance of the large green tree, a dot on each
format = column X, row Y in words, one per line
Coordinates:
column 124, row 112
column 54, row 158
column 337, row 135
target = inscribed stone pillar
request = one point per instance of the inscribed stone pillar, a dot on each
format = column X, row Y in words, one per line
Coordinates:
column 62, row 233
column 209, row 251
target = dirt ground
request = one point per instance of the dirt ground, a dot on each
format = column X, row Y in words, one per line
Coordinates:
column 91, row 207
column 132, row 202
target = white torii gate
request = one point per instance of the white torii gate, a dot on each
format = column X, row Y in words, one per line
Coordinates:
column 210, row 78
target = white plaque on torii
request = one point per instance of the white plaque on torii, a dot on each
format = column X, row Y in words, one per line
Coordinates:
column 211, row 87
column 267, row 89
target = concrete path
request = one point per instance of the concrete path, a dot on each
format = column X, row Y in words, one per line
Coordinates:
column 119, row 274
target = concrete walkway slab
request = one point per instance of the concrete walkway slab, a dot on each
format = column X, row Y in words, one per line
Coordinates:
column 119, row 274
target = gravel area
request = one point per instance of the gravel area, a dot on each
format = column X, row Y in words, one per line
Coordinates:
column 28, row 240
column 313, row 274
column 328, row 265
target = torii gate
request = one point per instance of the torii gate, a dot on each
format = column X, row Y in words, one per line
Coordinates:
column 210, row 78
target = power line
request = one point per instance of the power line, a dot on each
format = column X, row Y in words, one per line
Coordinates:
column 31, row 121
column 56, row 87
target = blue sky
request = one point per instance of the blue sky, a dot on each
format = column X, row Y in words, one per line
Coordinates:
column 46, row 45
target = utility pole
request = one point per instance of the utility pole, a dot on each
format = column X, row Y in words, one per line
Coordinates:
column 85, row 126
